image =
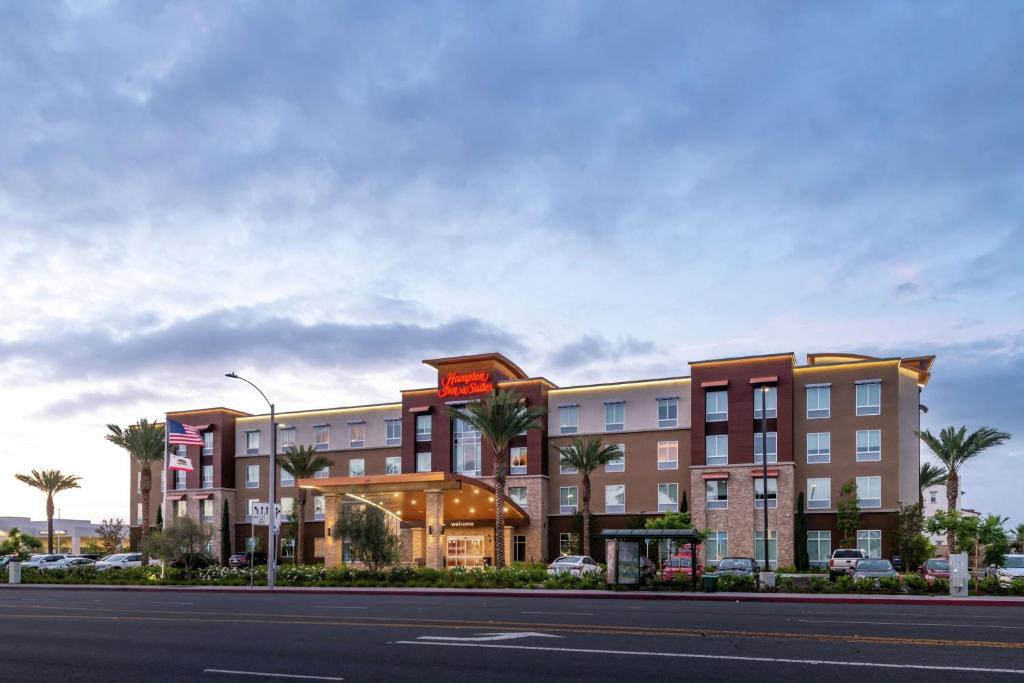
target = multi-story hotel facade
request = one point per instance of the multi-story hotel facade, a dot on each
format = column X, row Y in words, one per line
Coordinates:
column 690, row 441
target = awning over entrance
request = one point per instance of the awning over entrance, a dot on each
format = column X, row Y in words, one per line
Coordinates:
column 465, row 499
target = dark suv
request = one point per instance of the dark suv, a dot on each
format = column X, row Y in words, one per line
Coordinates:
column 241, row 560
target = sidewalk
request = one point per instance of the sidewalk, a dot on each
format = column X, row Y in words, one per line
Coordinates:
column 974, row 601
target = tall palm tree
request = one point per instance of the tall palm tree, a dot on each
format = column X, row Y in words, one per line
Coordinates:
column 50, row 482
column 931, row 475
column 499, row 417
column 144, row 442
column 302, row 462
column 954, row 448
column 586, row 454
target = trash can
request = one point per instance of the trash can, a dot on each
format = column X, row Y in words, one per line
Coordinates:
column 710, row 583
column 14, row 572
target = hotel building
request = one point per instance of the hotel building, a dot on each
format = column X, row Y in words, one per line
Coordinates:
column 692, row 441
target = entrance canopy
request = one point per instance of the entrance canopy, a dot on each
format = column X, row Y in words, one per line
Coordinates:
column 405, row 496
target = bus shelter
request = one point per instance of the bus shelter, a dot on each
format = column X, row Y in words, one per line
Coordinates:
column 625, row 559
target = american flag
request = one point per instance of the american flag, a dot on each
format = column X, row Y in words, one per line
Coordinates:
column 183, row 434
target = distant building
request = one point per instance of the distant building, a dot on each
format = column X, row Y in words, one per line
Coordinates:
column 935, row 500
column 70, row 535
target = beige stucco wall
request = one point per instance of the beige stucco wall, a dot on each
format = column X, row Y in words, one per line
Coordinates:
column 338, row 419
column 641, row 406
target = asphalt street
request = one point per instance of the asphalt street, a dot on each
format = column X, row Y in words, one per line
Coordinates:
column 86, row 635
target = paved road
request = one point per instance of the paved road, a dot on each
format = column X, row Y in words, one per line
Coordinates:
column 181, row 636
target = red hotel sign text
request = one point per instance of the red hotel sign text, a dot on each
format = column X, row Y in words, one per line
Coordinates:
column 464, row 384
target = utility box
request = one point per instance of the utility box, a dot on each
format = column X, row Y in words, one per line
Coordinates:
column 959, row 576
column 14, row 572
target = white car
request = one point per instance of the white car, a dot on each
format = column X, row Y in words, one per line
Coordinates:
column 1013, row 569
column 577, row 565
column 119, row 561
column 69, row 562
column 42, row 561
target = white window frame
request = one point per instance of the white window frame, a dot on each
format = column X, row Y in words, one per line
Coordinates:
column 287, row 506
column 424, row 420
column 565, row 426
column 868, row 452
column 773, row 448
column 207, row 439
column 391, row 460
column 867, row 407
column 716, row 503
column 322, row 437
column 610, row 491
column 180, row 480
column 202, row 510
column 207, row 481
column 718, row 458
column 668, row 497
column 713, row 396
column 391, row 439
column 356, row 434
column 772, row 495
column 816, row 455
column 817, row 412
column 568, row 543
column 287, row 480
column 357, row 471
column 665, row 448
column 572, row 493
column 251, row 436
column 819, row 485
column 565, row 469
column 424, row 458
column 514, row 454
column 670, row 412
column 821, row 541
column 323, row 473
column 773, row 545
column 522, row 501
column 716, row 546
column 613, row 410
column 771, row 402
column 869, row 485
column 287, row 438
column 619, row 464
column 319, row 507
column 868, row 540
column 251, row 483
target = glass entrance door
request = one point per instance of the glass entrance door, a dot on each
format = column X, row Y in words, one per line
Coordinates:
column 465, row 551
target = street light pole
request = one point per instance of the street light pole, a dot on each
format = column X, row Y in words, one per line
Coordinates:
column 271, row 490
column 764, row 470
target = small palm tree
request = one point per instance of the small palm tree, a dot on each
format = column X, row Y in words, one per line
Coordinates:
column 500, row 417
column 50, row 482
column 954, row 448
column 302, row 463
column 931, row 475
column 144, row 442
column 586, row 454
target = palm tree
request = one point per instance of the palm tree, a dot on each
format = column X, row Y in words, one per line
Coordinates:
column 50, row 482
column 499, row 417
column 931, row 475
column 586, row 454
column 1018, row 539
column 954, row 448
column 144, row 442
column 302, row 463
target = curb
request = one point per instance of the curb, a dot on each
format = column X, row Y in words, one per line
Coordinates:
column 846, row 599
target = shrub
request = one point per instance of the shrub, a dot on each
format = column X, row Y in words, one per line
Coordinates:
column 1017, row 587
column 736, row 584
column 939, row 587
column 989, row 586
column 843, row 584
column 915, row 583
column 864, row 585
column 819, row 584
column 890, row 584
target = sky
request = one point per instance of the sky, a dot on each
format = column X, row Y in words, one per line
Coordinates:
column 319, row 195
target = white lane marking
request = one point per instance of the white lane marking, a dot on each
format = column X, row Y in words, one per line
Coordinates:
column 905, row 623
column 735, row 658
column 264, row 674
column 338, row 607
column 168, row 602
column 575, row 614
column 492, row 636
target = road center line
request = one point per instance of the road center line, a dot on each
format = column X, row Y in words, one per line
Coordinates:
column 575, row 614
column 733, row 658
column 337, row 607
column 264, row 674
column 906, row 623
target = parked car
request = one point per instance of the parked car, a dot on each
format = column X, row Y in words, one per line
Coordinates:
column 680, row 565
column 935, row 568
column 843, row 561
column 875, row 569
column 6, row 560
column 738, row 566
column 69, row 562
column 577, row 565
column 119, row 561
column 42, row 561
column 243, row 559
column 1012, row 569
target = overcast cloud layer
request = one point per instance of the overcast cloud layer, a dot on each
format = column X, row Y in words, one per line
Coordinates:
column 320, row 195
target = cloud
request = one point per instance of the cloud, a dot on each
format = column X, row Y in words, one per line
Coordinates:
column 91, row 401
column 596, row 349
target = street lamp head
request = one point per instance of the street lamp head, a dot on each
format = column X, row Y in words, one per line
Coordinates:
column 231, row 375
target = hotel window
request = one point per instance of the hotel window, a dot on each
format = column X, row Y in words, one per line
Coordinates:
column 322, row 473
column 818, row 399
column 357, row 467
column 180, row 508
column 716, row 546
column 465, row 448
column 668, row 497
column 869, row 492
column 252, row 443
column 423, row 428
column 567, row 500
column 716, row 449
column 519, row 548
column 619, row 463
column 207, row 477
column 668, row 413
column 615, row 498
column 869, row 445
column 356, row 434
column 393, row 464
column 319, row 507
column 392, row 432
column 568, row 544
column 773, row 441
column 423, row 463
column 869, row 398
column 771, row 401
column 287, row 506
column 321, row 437
column 287, row 437
column 819, row 494
column 568, row 419
column 207, row 443
column 565, row 469
column 179, row 479
column 138, row 513
column 717, row 494
column 252, row 476
column 933, row 496
column 517, row 460
column 517, row 494
column 668, row 455
column 716, row 406
column 206, row 510
column 614, row 416
column 819, row 448
column 870, row 542
column 773, row 548
column 138, row 482
column 759, row 495
column 286, row 478
column 819, row 547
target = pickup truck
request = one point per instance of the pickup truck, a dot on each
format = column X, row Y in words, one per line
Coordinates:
column 843, row 561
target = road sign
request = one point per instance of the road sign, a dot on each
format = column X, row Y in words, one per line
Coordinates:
column 261, row 514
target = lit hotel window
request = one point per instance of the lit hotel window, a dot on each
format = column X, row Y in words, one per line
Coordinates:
column 517, row 460
column 321, row 437
column 668, row 455
column 356, row 434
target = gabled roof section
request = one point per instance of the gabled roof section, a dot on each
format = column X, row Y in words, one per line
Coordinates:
column 194, row 411
column 747, row 359
column 495, row 357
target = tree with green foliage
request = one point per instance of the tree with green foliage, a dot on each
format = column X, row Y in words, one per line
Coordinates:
column 848, row 514
column 1018, row 539
column 800, row 533
column 370, row 538
column 930, row 475
column 50, row 482
column 182, row 541
column 993, row 538
column 289, row 535
column 670, row 520
column 955, row 448
column 683, row 506
column 585, row 454
column 302, row 462
column 144, row 442
column 111, row 533
column 954, row 524
column 225, row 534
column 499, row 417
column 19, row 545
column 912, row 546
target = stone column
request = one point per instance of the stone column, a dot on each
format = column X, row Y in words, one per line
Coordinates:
column 435, row 523
column 332, row 548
